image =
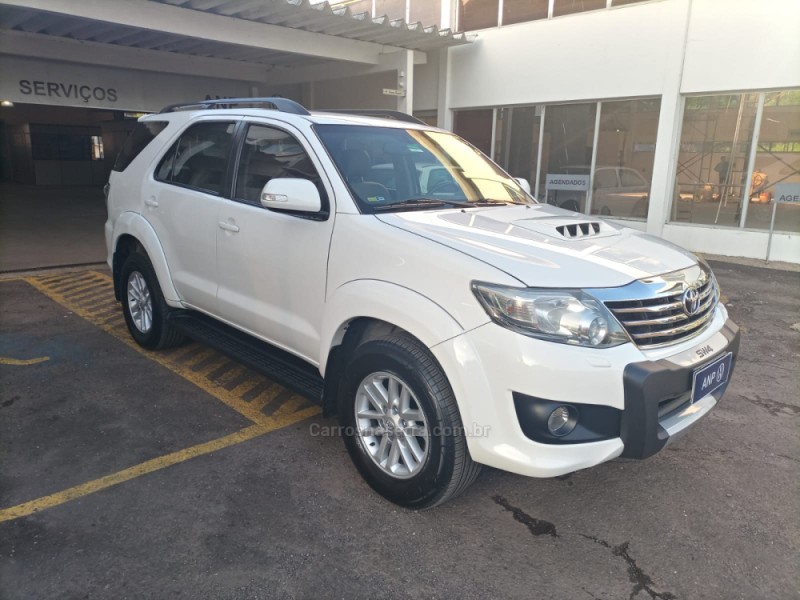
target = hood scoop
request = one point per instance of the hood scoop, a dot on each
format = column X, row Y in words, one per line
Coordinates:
column 579, row 230
column 569, row 228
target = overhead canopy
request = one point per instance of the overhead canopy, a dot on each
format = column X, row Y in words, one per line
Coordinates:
column 275, row 33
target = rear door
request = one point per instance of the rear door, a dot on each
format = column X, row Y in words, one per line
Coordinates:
column 182, row 201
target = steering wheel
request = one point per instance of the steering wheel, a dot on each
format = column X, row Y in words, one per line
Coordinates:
column 444, row 186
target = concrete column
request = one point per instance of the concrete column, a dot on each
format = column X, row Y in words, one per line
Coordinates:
column 405, row 82
column 444, row 116
column 670, row 121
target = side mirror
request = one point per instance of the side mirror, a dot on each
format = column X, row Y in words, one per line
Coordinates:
column 523, row 183
column 291, row 194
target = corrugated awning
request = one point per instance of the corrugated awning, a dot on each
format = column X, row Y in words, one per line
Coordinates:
column 337, row 20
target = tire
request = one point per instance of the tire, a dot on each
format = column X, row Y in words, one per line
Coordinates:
column 144, row 306
column 429, row 422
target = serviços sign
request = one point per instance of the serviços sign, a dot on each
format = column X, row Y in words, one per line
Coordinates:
column 75, row 91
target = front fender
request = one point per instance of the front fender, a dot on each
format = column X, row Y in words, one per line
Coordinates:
column 384, row 301
column 133, row 224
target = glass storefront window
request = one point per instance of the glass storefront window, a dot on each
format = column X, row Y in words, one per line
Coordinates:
column 567, row 155
column 568, row 7
column 518, row 11
column 475, row 126
column 516, row 141
column 626, row 144
column 776, row 175
column 477, row 14
column 712, row 169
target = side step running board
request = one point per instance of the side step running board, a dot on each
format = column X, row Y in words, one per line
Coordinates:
column 282, row 367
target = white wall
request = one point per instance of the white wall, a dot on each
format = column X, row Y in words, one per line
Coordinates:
column 734, row 242
column 602, row 54
column 426, row 84
column 365, row 91
column 742, row 45
column 630, row 50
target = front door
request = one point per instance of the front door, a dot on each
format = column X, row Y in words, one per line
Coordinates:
column 272, row 266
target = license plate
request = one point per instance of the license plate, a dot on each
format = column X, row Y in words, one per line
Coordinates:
column 711, row 376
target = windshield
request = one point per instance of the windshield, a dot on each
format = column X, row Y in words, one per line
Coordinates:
column 387, row 168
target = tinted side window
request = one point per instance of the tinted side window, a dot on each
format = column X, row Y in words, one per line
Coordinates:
column 139, row 138
column 199, row 158
column 269, row 153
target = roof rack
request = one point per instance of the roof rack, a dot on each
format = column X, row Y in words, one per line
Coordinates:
column 281, row 104
column 395, row 115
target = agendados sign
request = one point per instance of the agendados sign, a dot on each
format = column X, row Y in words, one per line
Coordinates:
column 55, row 89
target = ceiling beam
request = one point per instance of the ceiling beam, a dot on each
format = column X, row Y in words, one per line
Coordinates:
column 156, row 16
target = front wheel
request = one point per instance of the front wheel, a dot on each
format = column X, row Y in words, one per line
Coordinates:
column 401, row 424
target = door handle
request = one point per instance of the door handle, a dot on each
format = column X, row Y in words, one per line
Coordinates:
column 227, row 226
column 151, row 202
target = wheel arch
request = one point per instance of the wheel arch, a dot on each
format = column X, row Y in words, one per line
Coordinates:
column 364, row 309
column 133, row 233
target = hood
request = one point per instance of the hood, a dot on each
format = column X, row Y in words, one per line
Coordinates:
column 544, row 246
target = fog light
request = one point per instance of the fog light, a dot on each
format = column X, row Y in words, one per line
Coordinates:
column 562, row 421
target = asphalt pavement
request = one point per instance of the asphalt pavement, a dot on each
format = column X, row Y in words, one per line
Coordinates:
column 128, row 474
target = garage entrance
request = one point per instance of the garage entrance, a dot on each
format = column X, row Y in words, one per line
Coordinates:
column 54, row 161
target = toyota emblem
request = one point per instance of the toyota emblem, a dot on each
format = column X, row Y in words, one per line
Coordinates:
column 691, row 301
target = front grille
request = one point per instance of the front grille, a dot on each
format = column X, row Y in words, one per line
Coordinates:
column 661, row 320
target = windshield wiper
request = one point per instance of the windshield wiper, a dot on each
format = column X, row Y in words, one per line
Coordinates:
column 490, row 203
column 423, row 203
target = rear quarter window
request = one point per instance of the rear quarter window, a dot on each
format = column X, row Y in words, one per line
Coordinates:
column 144, row 133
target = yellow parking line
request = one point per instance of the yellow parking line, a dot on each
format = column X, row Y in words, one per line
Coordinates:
column 118, row 330
column 288, row 407
column 259, row 402
column 155, row 464
column 102, row 289
column 70, row 286
column 230, row 375
column 212, row 366
column 95, row 303
column 114, row 324
column 200, row 357
column 22, row 362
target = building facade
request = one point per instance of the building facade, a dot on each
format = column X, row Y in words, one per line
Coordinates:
column 678, row 117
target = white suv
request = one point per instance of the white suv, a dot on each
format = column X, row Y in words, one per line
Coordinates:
column 395, row 273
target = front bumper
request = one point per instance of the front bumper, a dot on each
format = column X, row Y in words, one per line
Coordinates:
column 657, row 399
column 638, row 401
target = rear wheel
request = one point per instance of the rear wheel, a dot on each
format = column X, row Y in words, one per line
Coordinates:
column 144, row 306
column 401, row 424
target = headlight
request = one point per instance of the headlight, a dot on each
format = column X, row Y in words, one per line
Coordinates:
column 566, row 316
